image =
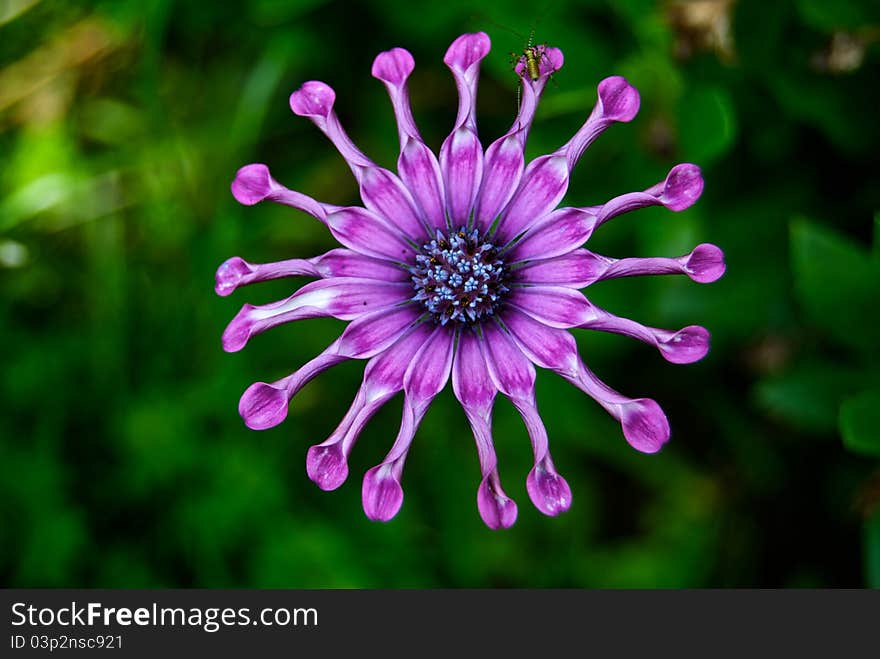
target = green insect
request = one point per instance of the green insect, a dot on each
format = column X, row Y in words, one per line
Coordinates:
column 532, row 55
column 529, row 60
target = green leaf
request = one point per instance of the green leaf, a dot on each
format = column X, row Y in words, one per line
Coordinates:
column 809, row 397
column 860, row 423
column 827, row 103
column 706, row 124
column 836, row 283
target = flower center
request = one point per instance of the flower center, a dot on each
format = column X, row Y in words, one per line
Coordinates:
column 459, row 277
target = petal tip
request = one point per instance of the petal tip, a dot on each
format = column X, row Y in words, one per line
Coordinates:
column 645, row 426
column 548, row 491
column 555, row 59
column 393, row 66
column 550, row 60
column 683, row 186
column 252, row 184
column 706, row 263
column 620, row 100
column 686, row 346
column 263, row 406
column 467, row 50
column 327, row 466
column 238, row 331
column 230, row 275
column 497, row 510
column 313, row 99
column 382, row 494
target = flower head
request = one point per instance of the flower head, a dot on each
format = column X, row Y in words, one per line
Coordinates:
column 461, row 267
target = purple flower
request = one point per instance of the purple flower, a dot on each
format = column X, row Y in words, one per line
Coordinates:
column 461, row 266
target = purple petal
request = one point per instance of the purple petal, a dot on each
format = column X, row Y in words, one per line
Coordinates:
column 326, row 463
column 232, row 273
column 461, row 164
column 384, row 194
column 345, row 263
column 463, row 58
column 239, row 330
column 327, row 466
column 552, row 61
column 429, row 370
column 548, row 490
column 542, row 186
column 644, row 425
column 385, row 372
column 505, row 159
column 393, row 66
column 471, row 382
column 504, row 164
column 465, row 53
column 576, row 269
column 263, row 405
column 382, row 493
column 364, row 232
column 417, row 164
column 496, row 508
column 349, row 297
column 236, row 272
column 685, row 346
column 561, row 232
column 545, row 346
column 680, row 190
column 420, row 171
column 253, row 184
column 314, row 99
column 705, row 264
column 568, row 228
column 345, row 298
column 556, row 306
column 511, row 371
column 382, row 191
column 369, row 335
column 618, row 101
column 461, row 156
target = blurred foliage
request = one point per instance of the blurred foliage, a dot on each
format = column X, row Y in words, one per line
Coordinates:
column 123, row 462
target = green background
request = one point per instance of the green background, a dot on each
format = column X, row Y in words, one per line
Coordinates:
column 123, row 462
